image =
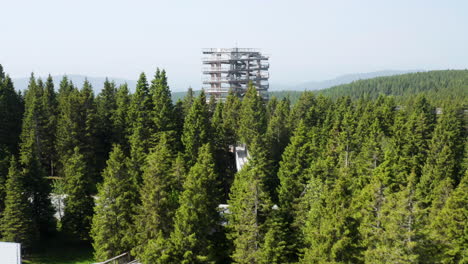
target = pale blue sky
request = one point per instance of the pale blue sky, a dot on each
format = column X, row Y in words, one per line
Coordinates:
column 307, row 40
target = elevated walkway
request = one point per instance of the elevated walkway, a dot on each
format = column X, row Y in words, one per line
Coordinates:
column 242, row 156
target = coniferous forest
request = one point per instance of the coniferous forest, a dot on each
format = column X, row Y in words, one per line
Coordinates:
column 370, row 172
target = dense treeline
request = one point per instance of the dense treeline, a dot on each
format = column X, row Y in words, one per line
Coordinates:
column 438, row 86
column 366, row 180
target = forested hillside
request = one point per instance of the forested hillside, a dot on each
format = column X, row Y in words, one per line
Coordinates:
column 346, row 176
column 438, row 86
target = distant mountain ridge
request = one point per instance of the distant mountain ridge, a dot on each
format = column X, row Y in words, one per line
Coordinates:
column 98, row 82
column 343, row 79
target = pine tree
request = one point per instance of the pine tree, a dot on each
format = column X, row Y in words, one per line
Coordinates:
column 11, row 113
column 106, row 105
column 50, row 108
column 330, row 230
column 223, row 158
column 249, row 205
column 196, row 129
column 231, row 117
column 16, row 224
column 120, row 120
column 449, row 229
column 78, row 202
column 158, row 200
column 35, row 183
column 252, row 121
column 196, row 219
column 444, row 158
column 278, row 131
column 274, row 247
column 398, row 240
column 300, row 110
column 162, row 102
column 189, row 98
column 112, row 221
column 293, row 177
column 140, row 113
column 88, row 124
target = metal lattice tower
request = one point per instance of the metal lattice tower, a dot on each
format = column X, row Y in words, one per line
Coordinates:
column 235, row 68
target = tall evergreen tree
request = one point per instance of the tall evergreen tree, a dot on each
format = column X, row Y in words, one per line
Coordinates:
column 196, row 128
column 50, row 108
column 11, row 113
column 196, row 219
column 35, row 183
column 154, row 218
column 449, row 228
column 79, row 204
column 112, row 221
column 120, row 120
column 140, row 113
column 397, row 243
column 252, row 123
column 231, row 117
column 163, row 117
column 16, row 224
column 249, row 205
column 106, row 105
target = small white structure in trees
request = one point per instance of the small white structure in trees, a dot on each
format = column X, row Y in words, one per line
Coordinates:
column 10, row 253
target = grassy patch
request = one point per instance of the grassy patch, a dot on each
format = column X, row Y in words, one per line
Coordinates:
column 61, row 251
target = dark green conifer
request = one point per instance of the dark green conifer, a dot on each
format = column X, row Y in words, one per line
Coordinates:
column 16, row 224
column 196, row 220
column 249, row 205
column 79, row 204
column 196, row 128
column 158, row 196
column 112, row 221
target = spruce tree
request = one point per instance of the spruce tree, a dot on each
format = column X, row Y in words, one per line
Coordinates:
column 11, row 113
column 36, row 185
column 79, row 204
column 88, row 124
column 120, row 120
column 231, row 117
column 196, row 128
column 188, row 100
column 293, row 178
column 449, row 228
column 106, row 105
column 252, row 123
column 196, row 220
column 162, row 102
column 398, row 240
column 154, row 217
column 50, row 108
column 16, row 224
column 112, row 221
column 249, row 205
column 140, row 113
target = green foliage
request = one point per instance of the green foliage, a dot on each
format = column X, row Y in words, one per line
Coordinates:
column 154, row 218
column 192, row 240
column 437, row 85
column 364, row 177
column 252, row 121
column 78, row 201
column 249, row 204
column 16, row 224
column 112, row 220
column 196, row 128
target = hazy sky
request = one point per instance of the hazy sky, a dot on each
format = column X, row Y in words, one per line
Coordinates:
column 307, row 40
